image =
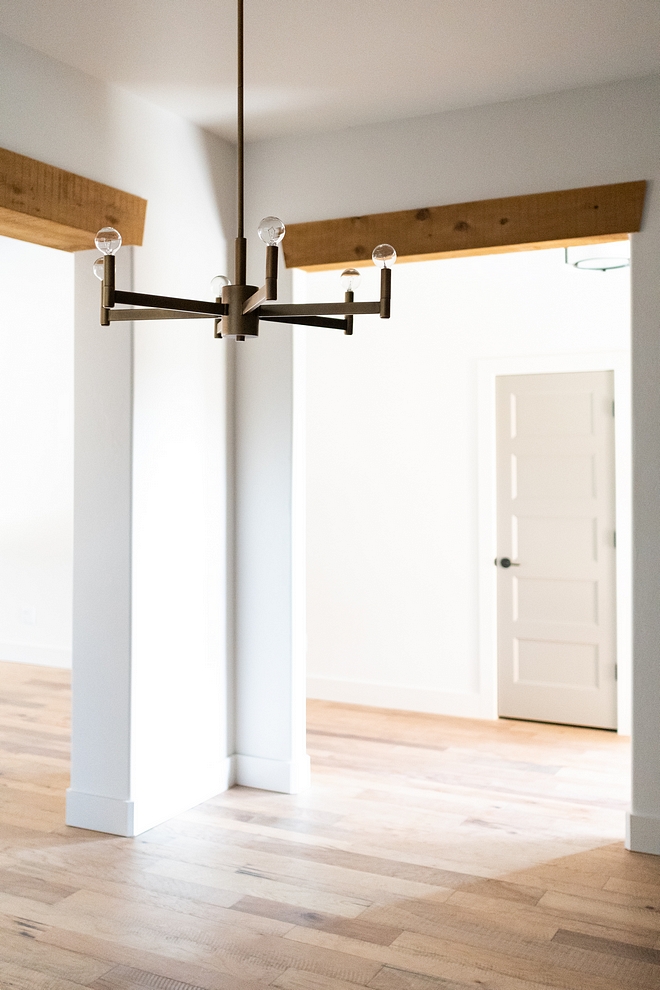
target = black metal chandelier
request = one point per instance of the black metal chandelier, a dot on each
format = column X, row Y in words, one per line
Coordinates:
column 238, row 307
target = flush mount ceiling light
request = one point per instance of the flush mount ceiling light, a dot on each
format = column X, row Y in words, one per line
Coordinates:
column 599, row 263
column 238, row 307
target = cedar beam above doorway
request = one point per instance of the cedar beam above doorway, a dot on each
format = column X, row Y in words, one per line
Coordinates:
column 553, row 219
column 49, row 206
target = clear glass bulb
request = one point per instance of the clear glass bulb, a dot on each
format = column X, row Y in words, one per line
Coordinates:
column 97, row 268
column 217, row 285
column 271, row 231
column 383, row 256
column 350, row 279
column 108, row 240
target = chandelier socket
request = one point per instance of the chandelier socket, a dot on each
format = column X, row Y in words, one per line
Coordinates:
column 385, row 292
column 272, row 254
column 349, row 297
column 108, row 281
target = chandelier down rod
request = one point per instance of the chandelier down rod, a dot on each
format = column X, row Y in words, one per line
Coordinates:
column 239, row 308
column 240, row 275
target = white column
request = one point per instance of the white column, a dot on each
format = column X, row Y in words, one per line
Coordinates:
column 100, row 793
column 150, row 700
column 643, row 832
column 270, row 560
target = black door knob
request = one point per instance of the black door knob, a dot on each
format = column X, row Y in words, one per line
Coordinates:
column 505, row 562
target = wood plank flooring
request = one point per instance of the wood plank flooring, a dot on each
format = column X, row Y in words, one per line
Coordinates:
column 430, row 854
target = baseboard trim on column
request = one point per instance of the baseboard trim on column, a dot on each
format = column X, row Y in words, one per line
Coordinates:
column 228, row 773
column 132, row 817
column 643, row 833
column 285, row 776
column 100, row 814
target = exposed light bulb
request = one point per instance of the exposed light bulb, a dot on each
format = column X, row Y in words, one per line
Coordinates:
column 383, row 256
column 97, row 268
column 108, row 240
column 350, row 278
column 217, row 285
column 271, row 231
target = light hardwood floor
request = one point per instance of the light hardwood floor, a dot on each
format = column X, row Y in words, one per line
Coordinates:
column 430, row 854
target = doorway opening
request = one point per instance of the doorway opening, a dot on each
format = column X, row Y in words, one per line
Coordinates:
column 36, row 454
column 401, row 470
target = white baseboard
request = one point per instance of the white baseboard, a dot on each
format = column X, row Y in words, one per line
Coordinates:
column 285, row 776
column 411, row 699
column 40, row 656
column 99, row 813
column 643, row 833
column 132, row 817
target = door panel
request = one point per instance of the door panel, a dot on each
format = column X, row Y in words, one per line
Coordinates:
column 556, row 605
column 551, row 476
column 554, row 600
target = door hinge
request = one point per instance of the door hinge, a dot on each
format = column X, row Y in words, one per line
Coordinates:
column 613, row 408
column 614, row 538
column 616, row 672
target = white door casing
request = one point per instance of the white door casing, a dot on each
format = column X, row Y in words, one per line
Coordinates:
column 556, row 512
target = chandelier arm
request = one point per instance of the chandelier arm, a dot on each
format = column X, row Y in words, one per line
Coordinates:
column 320, row 309
column 256, row 299
column 170, row 302
column 130, row 315
column 308, row 321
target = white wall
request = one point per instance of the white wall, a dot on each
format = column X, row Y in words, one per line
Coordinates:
column 394, row 560
column 558, row 141
column 150, row 668
column 36, row 453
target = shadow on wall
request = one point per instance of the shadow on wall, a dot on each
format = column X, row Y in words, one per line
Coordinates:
column 221, row 161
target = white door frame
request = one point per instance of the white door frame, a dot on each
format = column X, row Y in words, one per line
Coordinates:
column 487, row 371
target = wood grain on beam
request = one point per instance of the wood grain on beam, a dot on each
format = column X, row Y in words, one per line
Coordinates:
column 46, row 205
column 570, row 216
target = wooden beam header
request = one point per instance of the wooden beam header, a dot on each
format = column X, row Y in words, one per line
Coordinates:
column 491, row 225
column 46, row 205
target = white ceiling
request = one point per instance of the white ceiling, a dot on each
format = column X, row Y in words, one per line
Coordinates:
column 313, row 65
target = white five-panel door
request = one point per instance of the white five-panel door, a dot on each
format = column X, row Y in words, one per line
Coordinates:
column 556, row 548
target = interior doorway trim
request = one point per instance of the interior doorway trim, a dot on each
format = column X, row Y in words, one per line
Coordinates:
column 561, row 218
column 49, row 206
column 488, row 370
